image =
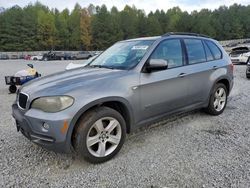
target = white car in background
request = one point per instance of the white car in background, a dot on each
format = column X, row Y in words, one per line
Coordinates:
column 36, row 57
column 78, row 64
column 240, row 55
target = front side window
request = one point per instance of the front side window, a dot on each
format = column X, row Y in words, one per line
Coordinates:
column 123, row 55
column 195, row 51
column 171, row 51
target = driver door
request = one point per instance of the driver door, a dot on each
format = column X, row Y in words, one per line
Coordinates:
column 165, row 90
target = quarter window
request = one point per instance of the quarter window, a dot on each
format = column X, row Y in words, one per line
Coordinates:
column 171, row 51
column 195, row 51
column 215, row 50
column 209, row 54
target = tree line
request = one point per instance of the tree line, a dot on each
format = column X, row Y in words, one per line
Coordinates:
column 36, row 27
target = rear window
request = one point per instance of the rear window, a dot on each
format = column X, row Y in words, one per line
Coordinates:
column 195, row 51
column 214, row 49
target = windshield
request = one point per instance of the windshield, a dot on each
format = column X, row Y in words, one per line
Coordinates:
column 123, row 55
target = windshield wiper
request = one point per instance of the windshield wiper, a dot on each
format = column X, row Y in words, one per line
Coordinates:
column 101, row 66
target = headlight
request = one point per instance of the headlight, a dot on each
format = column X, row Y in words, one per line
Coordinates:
column 53, row 103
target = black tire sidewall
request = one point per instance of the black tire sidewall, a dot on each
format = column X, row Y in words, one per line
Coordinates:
column 211, row 109
column 12, row 89
column 86, row 123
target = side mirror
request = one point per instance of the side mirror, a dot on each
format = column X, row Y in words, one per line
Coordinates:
column 156, row 65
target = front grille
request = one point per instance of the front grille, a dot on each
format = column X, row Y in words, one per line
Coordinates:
column 22, row 100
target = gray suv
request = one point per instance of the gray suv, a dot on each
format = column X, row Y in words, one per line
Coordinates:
column 133, row 83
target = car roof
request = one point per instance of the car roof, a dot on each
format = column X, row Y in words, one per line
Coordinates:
column 143, row 38
column 171, row 34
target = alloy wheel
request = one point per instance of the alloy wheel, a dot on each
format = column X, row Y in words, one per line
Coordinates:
column 219, row 99
column 104, row 136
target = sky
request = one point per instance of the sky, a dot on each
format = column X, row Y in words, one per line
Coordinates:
column 147, row 5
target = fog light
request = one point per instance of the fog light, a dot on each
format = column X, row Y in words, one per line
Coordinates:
column 46, row 126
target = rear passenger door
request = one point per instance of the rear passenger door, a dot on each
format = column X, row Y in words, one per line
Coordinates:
column 203, row 59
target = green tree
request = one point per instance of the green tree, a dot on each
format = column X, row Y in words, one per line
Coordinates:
column 46, row 30
column 105, row 28
column 153, row 25
column 36, row 27
column 128, row 22
column 62, row 35
column 85, row 30
column 74, row 29
column 142, row 27
column 11, row 22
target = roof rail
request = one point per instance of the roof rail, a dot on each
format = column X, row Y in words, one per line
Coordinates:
column 185, row 33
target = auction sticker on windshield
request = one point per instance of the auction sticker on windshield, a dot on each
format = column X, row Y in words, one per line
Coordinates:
column 144, row 47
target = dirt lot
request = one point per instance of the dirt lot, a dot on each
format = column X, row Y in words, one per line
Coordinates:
column 192, row 150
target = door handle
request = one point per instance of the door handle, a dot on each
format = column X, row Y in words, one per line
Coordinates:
column 215, row 68
column 181, row 75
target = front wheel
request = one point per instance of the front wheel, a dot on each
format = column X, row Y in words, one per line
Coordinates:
column 99, row 135
column 218, row 100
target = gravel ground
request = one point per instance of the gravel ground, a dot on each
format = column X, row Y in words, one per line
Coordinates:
column 190, row 150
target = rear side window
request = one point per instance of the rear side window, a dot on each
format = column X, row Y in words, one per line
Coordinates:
column 214, row 49
column 195, row 51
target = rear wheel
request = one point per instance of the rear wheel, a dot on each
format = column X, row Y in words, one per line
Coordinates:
column 99, row 135
column 218, row 100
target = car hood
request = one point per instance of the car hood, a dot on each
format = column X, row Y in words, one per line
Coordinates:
column 67, row 81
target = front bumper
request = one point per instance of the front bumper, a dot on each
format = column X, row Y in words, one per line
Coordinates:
column 30, row 124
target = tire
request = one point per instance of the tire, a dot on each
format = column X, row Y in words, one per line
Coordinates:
column 74, row 58
column 35, row 59
column 95, row 123
column 248, row 60
column 216, row 108
column 247, row 74
column 12, row 89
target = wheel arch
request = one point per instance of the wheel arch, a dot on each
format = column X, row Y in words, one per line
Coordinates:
column 224, row 80
column 226, row 83
column 117, row 103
